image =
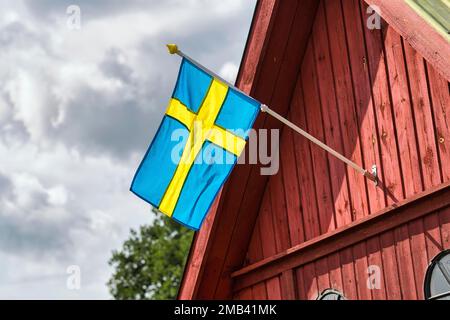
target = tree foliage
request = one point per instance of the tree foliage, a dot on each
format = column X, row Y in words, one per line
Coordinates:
column 150, row 263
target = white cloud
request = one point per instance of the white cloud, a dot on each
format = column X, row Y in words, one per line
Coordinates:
column 77, row 112
column 57, row 196
column 229, row 72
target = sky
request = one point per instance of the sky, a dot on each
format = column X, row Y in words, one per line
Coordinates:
column 78, row 109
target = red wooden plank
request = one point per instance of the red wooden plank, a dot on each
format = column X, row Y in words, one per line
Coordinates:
column 346, row 106
column 319, row 156
column 391, row 181
column 363, row 99
column 259, row 291
column 298, row 40
column 432, row 235
column 266, row 226
column 330, row 121
column 302, row 293
column 405, row 263
column 305, row 173
column 288, row 285
column 390, row 269
column 279, row 214
column 273, row 289
column 422, row 36
column 310, row 281
column 268, row 239
column 423, row 117
column 374, row 259
column 199, row 248
column 244, row 294
column 419, row 256
column 254, row 252
column 255, row 42
column 335, row 273
column 361, row 268
column 430, row 162
column 323, row 278
column 403, row 116
column 348, row 274
column 273, row 56
column 387, row 219
column 440, row 97
column 292, row 192
column 410, row 167
column 444, row 221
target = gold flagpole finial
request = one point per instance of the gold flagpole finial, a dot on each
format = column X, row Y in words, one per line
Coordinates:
column 173, row 48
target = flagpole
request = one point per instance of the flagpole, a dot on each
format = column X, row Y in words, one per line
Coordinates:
column 173, row 49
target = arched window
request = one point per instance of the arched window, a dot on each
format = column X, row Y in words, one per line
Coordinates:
column 331, row 294
column 437, row 277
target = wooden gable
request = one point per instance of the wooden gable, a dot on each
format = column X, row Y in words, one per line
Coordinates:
column 372, row 96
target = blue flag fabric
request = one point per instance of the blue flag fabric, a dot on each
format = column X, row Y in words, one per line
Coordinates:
column 202, row 134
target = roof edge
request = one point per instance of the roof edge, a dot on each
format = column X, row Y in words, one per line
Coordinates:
column 420, row 34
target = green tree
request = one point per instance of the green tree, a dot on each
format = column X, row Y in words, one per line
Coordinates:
column 151, row 262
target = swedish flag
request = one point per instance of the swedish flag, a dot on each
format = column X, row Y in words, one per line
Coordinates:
column 202, row 134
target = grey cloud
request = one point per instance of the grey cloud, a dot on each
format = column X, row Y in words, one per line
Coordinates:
column 14, row 32
column 13, row 132
column 114, row 68
column 107, row 126
column 36, row 237
column 213, row 40
column 5, row 187
column 116, row 124
column 28, row 233
column 94, row 9
column 122, row 123
column 98, row 124
column 23, row 228
column 17, row 36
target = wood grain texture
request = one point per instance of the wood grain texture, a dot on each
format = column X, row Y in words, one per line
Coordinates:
column 363, row 99
column 292, row 191
column 371, row 95
column 423, row 117
column 331, row 123
column 391, row 181
column 402, row 112
column 305, row 172
column 348, row 274
column 345, row 107
column 421, row 205
column 422, row 36
column 440, row 102
column 318, row 156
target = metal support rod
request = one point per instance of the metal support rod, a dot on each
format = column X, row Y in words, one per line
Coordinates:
column 319, row 143
column 173, row 49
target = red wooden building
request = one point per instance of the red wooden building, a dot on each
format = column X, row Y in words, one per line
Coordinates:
column 378, row 96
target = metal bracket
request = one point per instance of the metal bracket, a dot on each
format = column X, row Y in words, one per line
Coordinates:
column 374, row 173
